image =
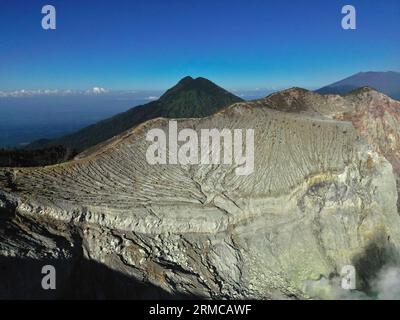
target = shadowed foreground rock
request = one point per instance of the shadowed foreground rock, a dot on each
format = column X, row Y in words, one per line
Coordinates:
column 320, row 198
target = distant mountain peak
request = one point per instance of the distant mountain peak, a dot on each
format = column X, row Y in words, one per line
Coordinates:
column 387, row 82
column 199, row 85
column 189, row 98
column 185, row 80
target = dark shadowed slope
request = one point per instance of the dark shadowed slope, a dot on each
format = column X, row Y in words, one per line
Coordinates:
column 189, row 98
column 385, row 82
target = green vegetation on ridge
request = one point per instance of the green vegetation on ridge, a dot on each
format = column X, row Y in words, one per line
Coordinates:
column 190, row 98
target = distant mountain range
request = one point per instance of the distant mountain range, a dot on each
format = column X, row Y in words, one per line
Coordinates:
column 190, row 98
column 385, row 82
column 194, row 98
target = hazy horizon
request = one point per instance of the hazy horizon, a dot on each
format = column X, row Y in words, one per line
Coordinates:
column 148, row 94
column 29, row 117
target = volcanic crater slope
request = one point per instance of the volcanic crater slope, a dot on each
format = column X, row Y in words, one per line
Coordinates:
column 319, row 199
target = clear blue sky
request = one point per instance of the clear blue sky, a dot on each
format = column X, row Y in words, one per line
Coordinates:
column 151, row 44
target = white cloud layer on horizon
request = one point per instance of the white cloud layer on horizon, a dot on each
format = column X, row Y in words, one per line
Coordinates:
column 51, row 92
column 96, row 90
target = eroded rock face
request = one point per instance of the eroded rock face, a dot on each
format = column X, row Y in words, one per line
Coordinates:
column 320, row 198
column 375, row 116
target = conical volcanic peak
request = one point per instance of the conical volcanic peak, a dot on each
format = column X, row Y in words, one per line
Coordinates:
column 179, row 86
column 186, row 79
column 199, row 87
column 189, row 98
column 194, row 98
